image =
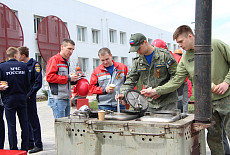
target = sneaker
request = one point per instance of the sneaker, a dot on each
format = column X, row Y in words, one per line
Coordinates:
column 36, row 149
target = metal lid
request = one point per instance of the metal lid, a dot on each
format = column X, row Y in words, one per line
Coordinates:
column 136, row 100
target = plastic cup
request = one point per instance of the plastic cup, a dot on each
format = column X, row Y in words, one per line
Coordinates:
column 101, row 115
column 213, row 86
column 112, row 86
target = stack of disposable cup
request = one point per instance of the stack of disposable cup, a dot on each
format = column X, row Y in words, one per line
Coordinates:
column 213, row 86
column 112, row 86
column 101, row 115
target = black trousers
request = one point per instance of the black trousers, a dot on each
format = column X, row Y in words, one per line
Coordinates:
column 34, row 123
column 10, row 113
column 2, row 128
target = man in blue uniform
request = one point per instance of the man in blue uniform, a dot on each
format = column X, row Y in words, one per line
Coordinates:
column 2, row 125
column 35, row 75
column 14, row 97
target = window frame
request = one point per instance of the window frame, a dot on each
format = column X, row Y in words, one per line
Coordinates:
column 81, row 33
column 37, row 21
column 122, row 37
column 112, row 36
column 95, row 39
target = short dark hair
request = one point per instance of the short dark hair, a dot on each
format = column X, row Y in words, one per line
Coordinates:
column 68, row 41
column 24, row 50
column 11, row 51
column 183, row 29
column 103, row 51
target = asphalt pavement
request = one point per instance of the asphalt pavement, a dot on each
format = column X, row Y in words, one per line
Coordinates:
column 47, row 126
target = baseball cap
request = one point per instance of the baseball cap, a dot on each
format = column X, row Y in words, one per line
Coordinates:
column 135, row 41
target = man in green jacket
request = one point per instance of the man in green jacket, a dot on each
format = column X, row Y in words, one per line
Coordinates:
column 155, row 66
column 220, row 75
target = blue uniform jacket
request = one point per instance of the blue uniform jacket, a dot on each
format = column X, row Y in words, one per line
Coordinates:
column 16, row 74
column 35, row 76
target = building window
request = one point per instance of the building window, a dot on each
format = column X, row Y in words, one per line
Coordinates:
column 37, row 20
column 83, row 63
column 39, row 58
column 150, row 41
column 95, row 36
column 81, row 33
column 15, row 12
column 96, row 63
column 174, row 47
column 122, row 37
column 124, row 60
column 112, row 36
column 115, row 58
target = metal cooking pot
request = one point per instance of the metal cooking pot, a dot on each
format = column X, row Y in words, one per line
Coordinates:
column 165, row 118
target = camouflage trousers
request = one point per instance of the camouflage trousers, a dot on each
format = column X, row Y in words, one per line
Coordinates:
column 221, row 115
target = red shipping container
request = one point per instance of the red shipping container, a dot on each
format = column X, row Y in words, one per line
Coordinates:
column 12, row 152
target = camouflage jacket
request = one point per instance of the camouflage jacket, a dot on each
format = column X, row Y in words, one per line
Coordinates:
column 161, row 70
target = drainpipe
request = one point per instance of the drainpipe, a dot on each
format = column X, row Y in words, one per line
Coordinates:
column 203, row 102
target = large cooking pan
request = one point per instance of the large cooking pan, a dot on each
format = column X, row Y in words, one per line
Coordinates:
column 139, row 103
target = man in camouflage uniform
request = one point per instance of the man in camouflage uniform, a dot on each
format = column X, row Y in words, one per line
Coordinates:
column 155, row 66
column 220, row 58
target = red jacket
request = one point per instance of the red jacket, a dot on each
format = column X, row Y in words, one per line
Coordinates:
column 177, row 58
column 101, row 78
column 57, row 74
column 189, row 88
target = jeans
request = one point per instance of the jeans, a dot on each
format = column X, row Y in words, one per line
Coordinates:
column 185, row 98
column 63, row 108
column 52, row 104
column 180, row 98
column 108, row 107
column 50, row 99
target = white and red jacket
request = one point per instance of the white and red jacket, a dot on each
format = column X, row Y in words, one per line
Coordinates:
column 101, row 78
column 57, row 74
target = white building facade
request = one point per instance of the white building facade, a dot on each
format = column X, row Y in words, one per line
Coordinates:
column 91, row 29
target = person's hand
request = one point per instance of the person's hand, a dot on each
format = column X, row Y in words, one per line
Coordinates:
column 120, row 97
column 74, row 77
column 109, row 89
column 2, row 87
column 149, row 92
column 221, row 88
column 122, row 102
column 156, row 96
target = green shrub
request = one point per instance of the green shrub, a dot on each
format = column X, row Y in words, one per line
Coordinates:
column 45, row 93
column 191, row 108
column 93, row 105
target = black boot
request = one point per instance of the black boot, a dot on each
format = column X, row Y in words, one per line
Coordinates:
column 36, row 149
